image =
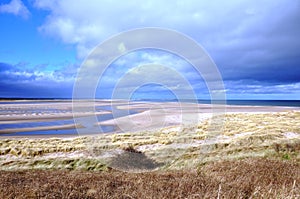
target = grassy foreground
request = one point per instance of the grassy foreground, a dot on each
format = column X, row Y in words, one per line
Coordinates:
column 255, row 155
column 248, row 178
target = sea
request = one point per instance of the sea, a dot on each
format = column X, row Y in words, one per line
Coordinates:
column 289, row 103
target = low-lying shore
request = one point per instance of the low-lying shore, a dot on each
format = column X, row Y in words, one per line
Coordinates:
column 246, row 152
column 273, row 135
column 36, row 116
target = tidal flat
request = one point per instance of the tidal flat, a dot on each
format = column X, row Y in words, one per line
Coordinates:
column 256, row 137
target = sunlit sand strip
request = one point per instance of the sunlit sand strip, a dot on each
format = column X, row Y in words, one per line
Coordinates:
column 155, row 119
column 12, row 119
column 41, row 128
column 32, row 120
column 204, row 107
column 59, row 104
column 159, row 105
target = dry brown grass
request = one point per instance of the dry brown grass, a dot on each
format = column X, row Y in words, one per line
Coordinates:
column 248, row 178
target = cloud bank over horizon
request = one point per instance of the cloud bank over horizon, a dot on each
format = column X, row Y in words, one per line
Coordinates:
column 255, row 46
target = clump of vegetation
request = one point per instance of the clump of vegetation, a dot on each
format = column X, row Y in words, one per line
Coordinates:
column 38, row 147
column 131, row 149
column 83, row 164
column 288, row 150
column 130, row 159
column 287, row 147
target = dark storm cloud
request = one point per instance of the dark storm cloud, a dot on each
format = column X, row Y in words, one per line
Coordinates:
column 15, row 82
column 263, row 46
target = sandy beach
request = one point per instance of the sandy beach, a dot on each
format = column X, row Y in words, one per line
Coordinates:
column 148, row 115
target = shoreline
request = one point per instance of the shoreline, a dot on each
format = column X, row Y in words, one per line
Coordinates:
column 150, row 115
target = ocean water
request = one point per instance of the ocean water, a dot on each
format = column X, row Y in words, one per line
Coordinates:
column 291, row 103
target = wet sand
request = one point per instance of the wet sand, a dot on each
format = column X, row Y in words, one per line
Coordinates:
column 151, row 115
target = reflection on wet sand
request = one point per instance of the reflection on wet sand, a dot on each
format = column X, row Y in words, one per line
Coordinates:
column 37, row 115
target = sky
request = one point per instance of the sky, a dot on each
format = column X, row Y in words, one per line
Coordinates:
column 255, row 46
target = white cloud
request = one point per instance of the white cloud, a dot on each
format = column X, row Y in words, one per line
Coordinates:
column 37, row 76
column 88, row 23
column 236, row 87
column 157, row 63
column 15, row 7
column 217, row 25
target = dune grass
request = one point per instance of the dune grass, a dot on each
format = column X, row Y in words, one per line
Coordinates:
column 272, row 135
column 247, row 178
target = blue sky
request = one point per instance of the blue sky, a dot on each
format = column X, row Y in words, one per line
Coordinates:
column 256, row 47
